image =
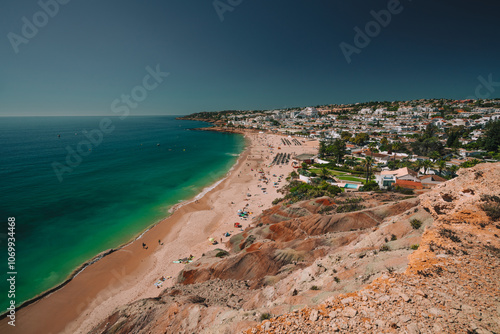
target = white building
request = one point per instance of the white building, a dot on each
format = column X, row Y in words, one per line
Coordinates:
column 387, row 178
column 309, row 112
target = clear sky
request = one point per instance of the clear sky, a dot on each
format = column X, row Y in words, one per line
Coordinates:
column 264, row 54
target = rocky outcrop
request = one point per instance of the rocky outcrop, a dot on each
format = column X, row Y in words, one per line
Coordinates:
column 400, row 265
column 451, row 284
column 292, row 256
column 292, row 235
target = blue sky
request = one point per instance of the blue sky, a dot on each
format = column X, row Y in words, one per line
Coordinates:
column 264, row 54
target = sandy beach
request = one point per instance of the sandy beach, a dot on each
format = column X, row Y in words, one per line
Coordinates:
column 131, row 272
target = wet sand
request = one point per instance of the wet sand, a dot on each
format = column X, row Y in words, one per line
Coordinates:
column 129, row 273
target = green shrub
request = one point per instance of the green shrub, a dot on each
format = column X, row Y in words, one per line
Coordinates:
column 414, row 247
column 197, row 300
column 350, row 207
column 447, row 233
column 490, row 198
column 370, row 186
column 314, row 287
column 221, row 253
column 326, row 209
column 277, row 200
column 491, row 207
column 299, row 191
column 384, row 248
column 265, row 316
column 403, row 191
column 353, row 200
column 415, row 223
column 492, row 210
column 393, row 237
column 336, row 279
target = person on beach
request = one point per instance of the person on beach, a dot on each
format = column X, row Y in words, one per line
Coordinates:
column 144, row 246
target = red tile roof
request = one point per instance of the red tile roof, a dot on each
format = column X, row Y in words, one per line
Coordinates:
column 433, row 177
column 409, row 184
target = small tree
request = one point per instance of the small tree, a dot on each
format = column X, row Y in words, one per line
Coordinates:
column 492, row 136
column 453, row 170
column 324, row 173
column 434, row 155
column 441, row 165
column 338, row 149
column 372, row 146
column 367, row 163
column 426, row 164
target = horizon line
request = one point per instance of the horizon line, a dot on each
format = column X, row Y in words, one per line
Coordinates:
column 90, row 115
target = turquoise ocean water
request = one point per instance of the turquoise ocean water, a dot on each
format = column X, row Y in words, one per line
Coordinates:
column 120, row 188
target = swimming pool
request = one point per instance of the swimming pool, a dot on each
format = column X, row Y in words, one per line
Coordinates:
column 351, row 186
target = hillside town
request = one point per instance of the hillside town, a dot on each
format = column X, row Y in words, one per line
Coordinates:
column 381, row 145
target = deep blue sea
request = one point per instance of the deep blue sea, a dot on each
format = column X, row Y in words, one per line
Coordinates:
column 108, row 192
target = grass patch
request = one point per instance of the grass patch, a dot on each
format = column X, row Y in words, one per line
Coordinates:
column 350, row 178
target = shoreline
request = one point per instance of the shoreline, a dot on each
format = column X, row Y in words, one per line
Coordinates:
column 128, row 273
column 209, row 188
column 103, row 254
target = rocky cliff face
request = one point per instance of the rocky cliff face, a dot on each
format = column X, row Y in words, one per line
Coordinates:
column 451, row 284
column 360, row 268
